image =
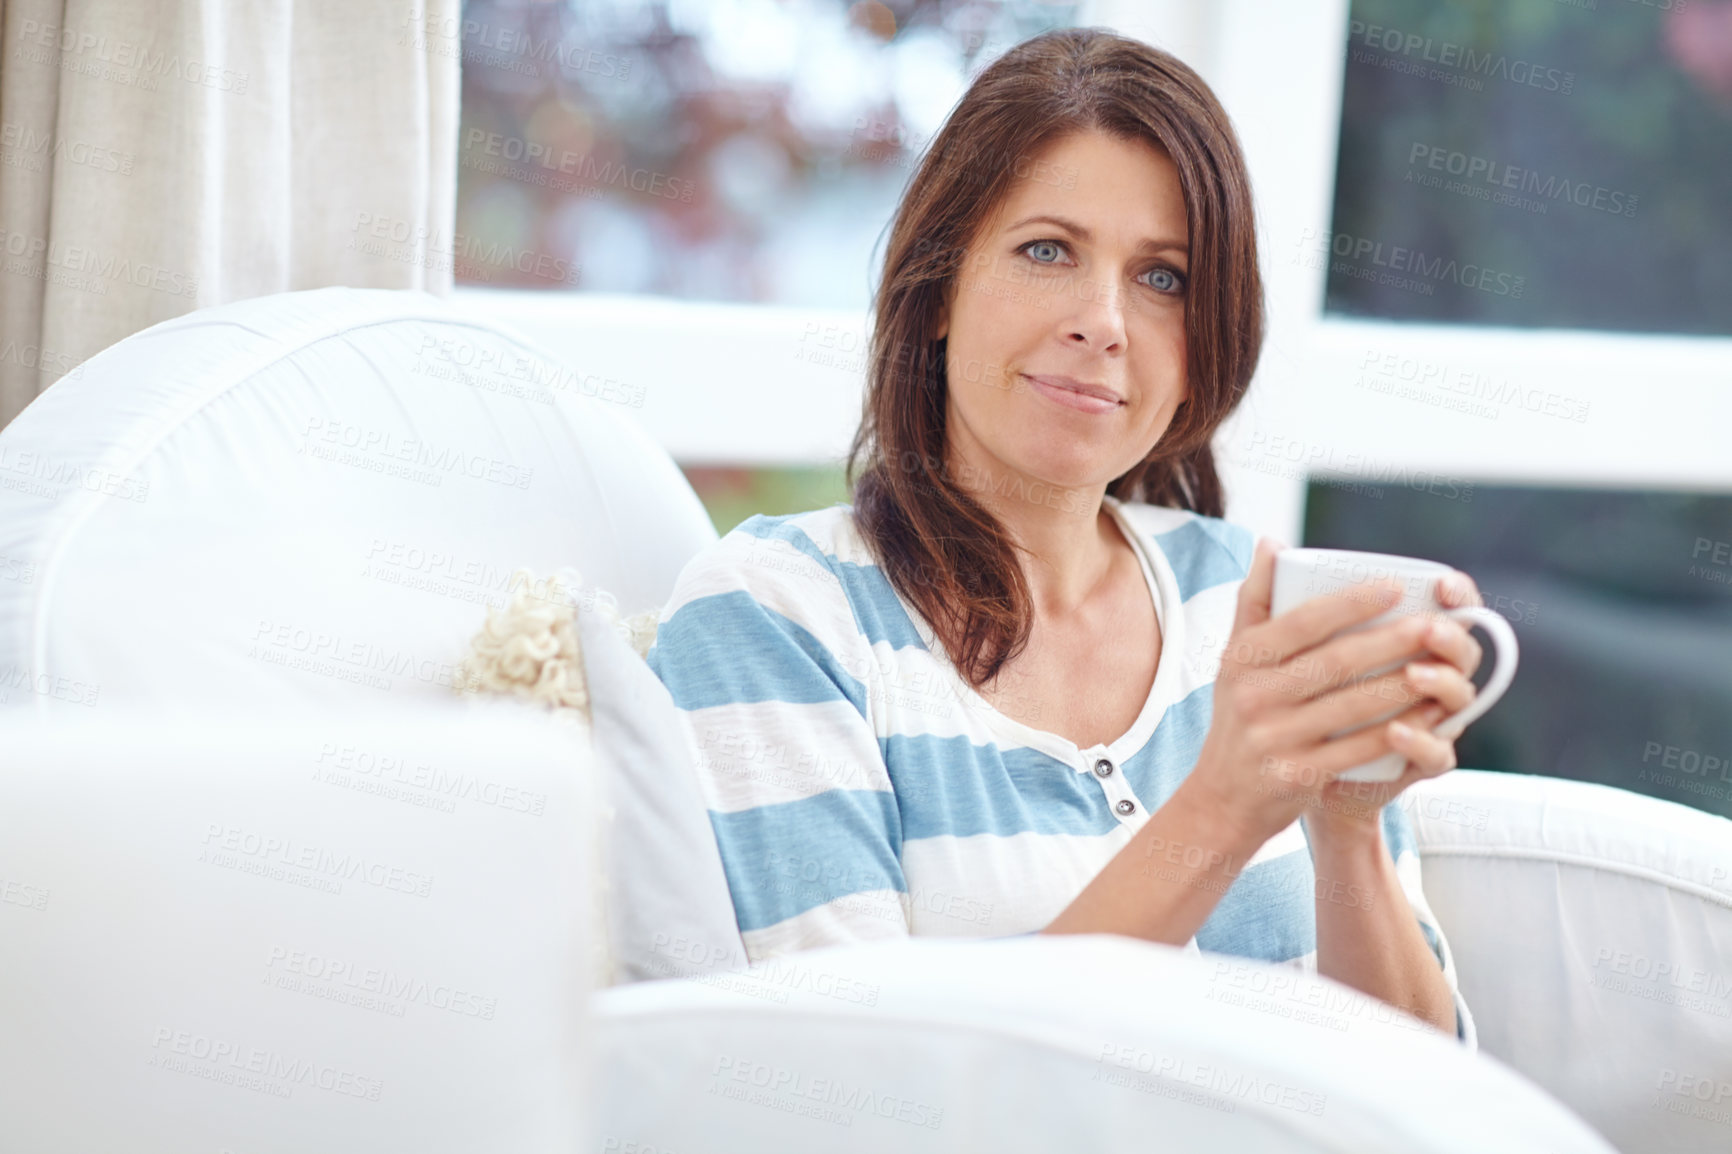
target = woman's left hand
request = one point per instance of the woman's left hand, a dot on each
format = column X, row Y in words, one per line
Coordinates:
column 1355, row 807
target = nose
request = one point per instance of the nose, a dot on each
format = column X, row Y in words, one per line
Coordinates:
column 1096, row 320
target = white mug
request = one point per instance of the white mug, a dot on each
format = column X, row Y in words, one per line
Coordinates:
column 1302, row 574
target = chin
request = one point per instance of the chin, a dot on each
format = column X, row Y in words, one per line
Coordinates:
column 1075, row 470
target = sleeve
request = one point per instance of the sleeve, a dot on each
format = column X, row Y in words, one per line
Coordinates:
column 1403, row 848
column 759, row 649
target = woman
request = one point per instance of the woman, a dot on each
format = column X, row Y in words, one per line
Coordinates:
column 1029, row 680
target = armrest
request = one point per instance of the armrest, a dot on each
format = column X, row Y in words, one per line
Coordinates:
column 1591, row 929
column 1045, row 1043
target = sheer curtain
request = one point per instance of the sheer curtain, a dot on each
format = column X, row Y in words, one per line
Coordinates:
column 157, row 158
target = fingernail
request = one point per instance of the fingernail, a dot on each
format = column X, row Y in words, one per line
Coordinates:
column 1424, row 674
column 1400, row 731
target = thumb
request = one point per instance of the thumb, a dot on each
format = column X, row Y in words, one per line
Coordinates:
column 1258, row 587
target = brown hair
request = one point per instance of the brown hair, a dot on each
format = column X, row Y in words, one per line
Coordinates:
column 941, row 549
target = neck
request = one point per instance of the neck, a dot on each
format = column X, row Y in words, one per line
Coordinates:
column 1067, row 537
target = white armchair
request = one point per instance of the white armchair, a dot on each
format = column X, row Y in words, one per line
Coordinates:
column 1592, row 931
column 308, row 499
column 303, row 502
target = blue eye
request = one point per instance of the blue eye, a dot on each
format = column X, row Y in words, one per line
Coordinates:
column 1165, row 280
column 1034, row 247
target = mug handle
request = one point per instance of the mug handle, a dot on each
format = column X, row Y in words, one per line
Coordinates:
column 1503, row 640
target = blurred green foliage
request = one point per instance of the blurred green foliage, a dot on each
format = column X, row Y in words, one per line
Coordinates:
column 730, row 495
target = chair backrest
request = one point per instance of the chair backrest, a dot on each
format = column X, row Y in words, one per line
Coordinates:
column 1592, row 931
column 311, row 498
column 262, row 934
column 1043, row 1043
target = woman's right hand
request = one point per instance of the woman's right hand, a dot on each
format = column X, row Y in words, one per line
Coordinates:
column 1285, row 684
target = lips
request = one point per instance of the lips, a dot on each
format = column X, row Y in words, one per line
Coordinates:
column 1074, row 394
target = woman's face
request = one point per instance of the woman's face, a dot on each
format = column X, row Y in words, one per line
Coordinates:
column 1077, row 281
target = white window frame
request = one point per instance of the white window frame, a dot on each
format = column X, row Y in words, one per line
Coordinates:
column 761, row 385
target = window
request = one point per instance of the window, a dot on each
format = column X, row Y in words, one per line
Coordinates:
column 1622, row 603
column 1535, row 163
column 745, row 151
column 731, row 150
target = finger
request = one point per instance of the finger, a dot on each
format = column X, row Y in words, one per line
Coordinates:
column 1258, row 587
column 1433, row 755
column 1451, row 641
column 1443, row 682
column 1348, row 707
column 1373, row 700
column 1315, row 621
column 1331, row 756
column 1347, row 658
column 1457, row 589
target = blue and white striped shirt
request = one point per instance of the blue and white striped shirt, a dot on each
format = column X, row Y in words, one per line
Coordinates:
column 859, row 788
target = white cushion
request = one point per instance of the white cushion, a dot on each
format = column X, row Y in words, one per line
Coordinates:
column 1046, row 1044
column 669, row 910
column 1592, row 930
column 308, row 498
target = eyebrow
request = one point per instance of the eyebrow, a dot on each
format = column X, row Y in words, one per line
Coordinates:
column 1087, row 237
